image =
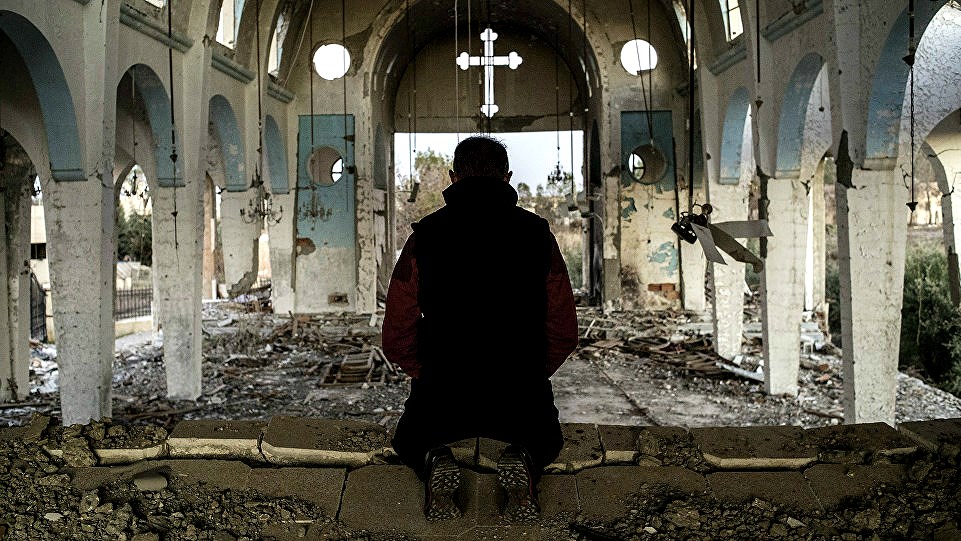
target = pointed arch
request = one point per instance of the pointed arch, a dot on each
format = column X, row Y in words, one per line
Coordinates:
column 227, row 130
column 794, row 106
column 732, row 138
column 53, row 93
column 157, row 106
column 276, row 157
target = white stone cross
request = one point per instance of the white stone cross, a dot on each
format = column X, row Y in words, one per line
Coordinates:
column 489, row 61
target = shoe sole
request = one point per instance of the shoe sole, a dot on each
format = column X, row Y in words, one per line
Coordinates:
column 515, row 479
column 445, row 479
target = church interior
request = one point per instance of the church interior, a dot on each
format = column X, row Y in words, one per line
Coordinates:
column 718, row 142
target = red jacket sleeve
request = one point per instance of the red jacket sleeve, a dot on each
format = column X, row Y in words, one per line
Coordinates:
column 561, row 314
column 402, row 312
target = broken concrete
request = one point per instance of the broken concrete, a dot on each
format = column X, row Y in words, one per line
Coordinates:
column 755, row 448
column 942, row 436
column 291, row 440
column 582, row 449
column 213, row 439
column 860, row 444
column 789, row 490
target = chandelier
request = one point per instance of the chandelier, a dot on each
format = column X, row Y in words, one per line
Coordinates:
column 261, row 206
column 315, row 210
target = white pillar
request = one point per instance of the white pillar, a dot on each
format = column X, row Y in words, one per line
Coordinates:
column 782, row 284
column 872, row 225
column 282, row 254
column 178, row 251
column 17, row 233
column 80, row 221
column 240, row 241
column 727, row 281
column 693, row 269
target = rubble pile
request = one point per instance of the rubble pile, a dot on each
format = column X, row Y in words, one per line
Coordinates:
column 919, row 509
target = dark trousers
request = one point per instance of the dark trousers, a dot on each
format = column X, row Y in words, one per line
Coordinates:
column 437, row 414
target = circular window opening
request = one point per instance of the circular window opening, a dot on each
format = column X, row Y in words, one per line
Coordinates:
column 331, row 61
column 637, row 56
column 325, row 166
column 646, row 164
column 636, row 166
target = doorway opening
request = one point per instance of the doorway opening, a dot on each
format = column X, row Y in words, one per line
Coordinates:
column 422, row 160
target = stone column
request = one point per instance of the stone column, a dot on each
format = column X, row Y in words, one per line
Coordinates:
column 178, row 244
column 727, row 281
column 240, row 241
column 782, row 284
column 16, row 189
column 872, row 226
column 80, row 221
column 207, row 289
column 693, row 268
column 282, row 254
column 818, row 248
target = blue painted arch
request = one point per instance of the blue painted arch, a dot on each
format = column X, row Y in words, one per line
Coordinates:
column 794, row 107
column 732, row 138
column 276, row 157
column 888, row 86
column 56, row 102
column 157, row 105
column 231, row 143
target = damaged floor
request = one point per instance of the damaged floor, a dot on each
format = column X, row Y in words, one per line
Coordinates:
column 639, row 369
column 630, row 368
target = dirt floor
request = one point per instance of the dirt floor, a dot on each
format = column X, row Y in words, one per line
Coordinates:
column 630, row 368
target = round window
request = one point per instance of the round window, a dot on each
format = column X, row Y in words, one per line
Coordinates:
column 646, row 164
column 638, row 55
column 325, row 166
column 331, row 61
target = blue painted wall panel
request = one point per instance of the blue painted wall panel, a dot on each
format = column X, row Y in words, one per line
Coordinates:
column 339, row 230
column 635, row 132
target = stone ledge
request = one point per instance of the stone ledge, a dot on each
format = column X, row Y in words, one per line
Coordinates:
column 217, row 439
column 788, row 489
column 582, row 449
column 293, row 441
column 860, row 443
column 942, row 436
column 755, row 448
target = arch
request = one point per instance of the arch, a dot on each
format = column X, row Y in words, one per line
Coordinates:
column 157, row 106
column 276, row 157
column 732, row 138
column 225, row 126
column 888, row 86
column 56, row 101
column 938, row 65
column 794, row 106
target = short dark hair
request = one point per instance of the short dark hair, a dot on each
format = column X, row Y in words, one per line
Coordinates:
column 481, row 156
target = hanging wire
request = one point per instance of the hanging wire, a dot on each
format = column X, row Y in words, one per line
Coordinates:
column 300, row 42
column 456, row 73
column 133, row 124
column 173, row 121
column 557, row 101
column 909, row 60
column 260, row 109
column 690, row 108
column 640, row 75
column 572, row 84
column 410, row 105
column 757, row 37
column 486, row 118
column 310, row 73
column 343, row 41
column 470, row 45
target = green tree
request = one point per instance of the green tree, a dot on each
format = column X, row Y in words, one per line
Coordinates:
column 430, row 168
column 134, row 237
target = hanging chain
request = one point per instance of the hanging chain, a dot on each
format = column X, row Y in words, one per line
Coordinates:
column 637, row 53
column 690, row 108
column 456, row 73
column 173, row 121
column 909, row 60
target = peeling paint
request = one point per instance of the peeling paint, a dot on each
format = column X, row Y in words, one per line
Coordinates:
column 631, row 208
column 666, row 255
column 669, row 214
column 305, row 246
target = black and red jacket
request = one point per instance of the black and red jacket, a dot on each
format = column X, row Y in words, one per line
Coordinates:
column 480, row 293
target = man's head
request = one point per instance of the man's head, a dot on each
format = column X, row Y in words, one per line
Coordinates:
column 480, row 156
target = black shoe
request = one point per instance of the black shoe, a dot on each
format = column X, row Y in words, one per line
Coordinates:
column 441, row 482
column 515, row 473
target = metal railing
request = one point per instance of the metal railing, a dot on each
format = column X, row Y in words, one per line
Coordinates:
column 38, row 310
column 130, row 303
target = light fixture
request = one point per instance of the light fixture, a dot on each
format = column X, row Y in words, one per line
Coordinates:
column 261, row 206
column 683, row 226
column 315, row 210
